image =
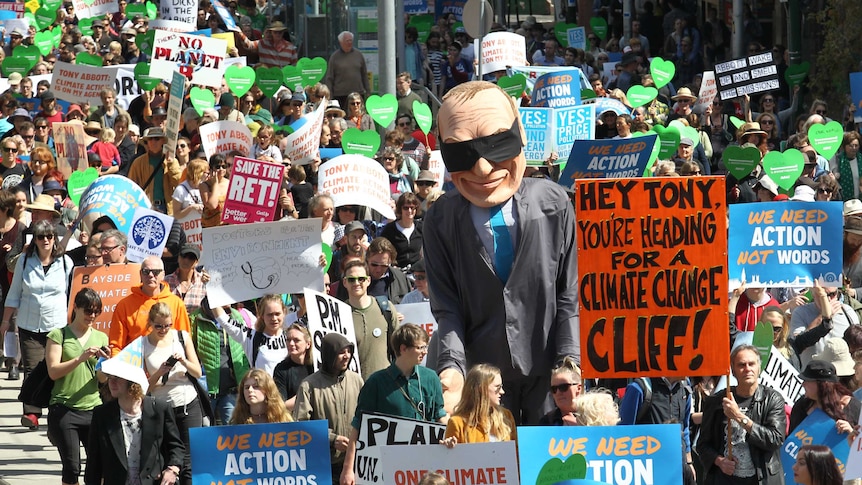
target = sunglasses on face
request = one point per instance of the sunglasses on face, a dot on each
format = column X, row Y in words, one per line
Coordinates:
column 152, row 272
column 10, row 150
column 425, row 184
column 92, row 311
column 563, row 387
column 500, row 147
column 45, row 237
column 356, row 279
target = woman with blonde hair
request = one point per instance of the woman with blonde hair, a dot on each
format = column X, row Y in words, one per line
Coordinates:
column 187, row 196
column 777, row 319
column 479, row 417
column 597, row 408
column 266, row 344
column 566, row 385
column 259, row 401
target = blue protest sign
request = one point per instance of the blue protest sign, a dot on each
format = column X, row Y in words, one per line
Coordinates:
column 608, row 104
column 856, row 94
column 114, row 196
column 538, row 123
column 625, row 158
column 327, row 153
column 787, row 244
column 570, row 124
column 449, row 6
column 557, row 90
column 295, row 453
column 533, row 73
column 577, row 37
column 817, row 429
column 225, row 15
column 614, row 454
column 413, row 7
column 203, row 32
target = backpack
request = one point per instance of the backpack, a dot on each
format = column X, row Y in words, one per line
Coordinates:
column 645, row 384
column 383, row 303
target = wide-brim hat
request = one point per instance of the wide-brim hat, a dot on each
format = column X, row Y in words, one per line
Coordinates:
column 684, row 93
column 154, row 132
column 52, row 184
column 750, row 128
column 335, row 107
column 74, row 108
column 820, row 371
column 768, row 184
column 852, row 207
column 277, row 25
column 93, row 125
column 262, row 116
column 803, row 193
column 43, row 202
column 837, row 352
column 124, row 370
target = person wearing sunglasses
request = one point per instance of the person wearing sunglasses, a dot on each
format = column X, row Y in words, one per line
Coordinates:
column 357, row 117
column 482, row 144
column 130, row 319
column 37, row 300
column 827, row 316
column 566, row 386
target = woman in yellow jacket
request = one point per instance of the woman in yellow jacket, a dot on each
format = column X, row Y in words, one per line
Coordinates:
column 479, row 417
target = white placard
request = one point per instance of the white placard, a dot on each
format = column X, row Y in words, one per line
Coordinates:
column 175, row 107
column 303, row 145
column 80, row 83
column 708, row 92
column 182, row 13
column 501, row 50
column 419, row 314
column 329, row 314
column 356, row 180
column 436, row 166
column 474, row 463
column 193, row 228
column 95, row 8
column 854, row 459
column 125, row 84
column 378, row 430
column 10, row 345
column 251, row 260
column 780, row 375
column 196, row 57
column 224, row 137
column 148, row 234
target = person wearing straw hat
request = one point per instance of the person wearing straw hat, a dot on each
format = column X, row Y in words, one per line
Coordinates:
column 837, row 352
column 133, row 434
column 275, row 49
column 156, row 175
column 683, row 103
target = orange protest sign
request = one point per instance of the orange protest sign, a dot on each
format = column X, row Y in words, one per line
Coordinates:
column 652, row 268
column 112, row 282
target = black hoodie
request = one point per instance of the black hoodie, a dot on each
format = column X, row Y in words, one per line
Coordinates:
column 332, row 345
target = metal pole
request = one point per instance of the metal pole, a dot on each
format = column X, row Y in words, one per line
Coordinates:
column 386, row 46
column 481, row 36
column 738, row 29
column 628, row 7
column 399, row 36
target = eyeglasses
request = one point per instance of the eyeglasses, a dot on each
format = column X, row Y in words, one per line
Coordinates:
column 182, row 145
column 27, row 137
column 356, row 103
column 768, row 100
column 151, row 272
column 379, row 265
column 824, row 191
column 163, row 327
column 389, row 158
column 41, row 127
column 420, row 277
column 777, row 330
column 45, row 237
column 105, row 250
column 832, row 294
column 222, row 166
column 297, row 104
column 356, row 279
column 10, row 150
column 563, row 387
column 767, row 122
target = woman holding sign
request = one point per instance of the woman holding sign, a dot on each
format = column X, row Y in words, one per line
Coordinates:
column 214, row 190
column 479, row 417
column 823, row 391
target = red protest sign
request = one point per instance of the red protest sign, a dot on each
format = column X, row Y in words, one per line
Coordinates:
column 652, row 270
column 253, row 191
column 112, row 282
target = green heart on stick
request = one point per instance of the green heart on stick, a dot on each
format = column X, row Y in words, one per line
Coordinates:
column 762, row 339
column 239, row 79
column 142, row 76
column 269, row 80
column 422, row 113
column 826, row 139
column 44, row 41
column 86, row 25
column 639, row 95
column 561, row 33
column 784, row 168
column 201, row 99
column 356, row 141
column 668, row 139
column 79, row 181
column 556, row 470
column 57, row 33
column 311, row 70
column 736, row 122
column 326, row 249
column 29, row 52
column 15, row 64
column 45, row 17
column 423, row 24
column 686, row 131
column 88, row 59
column 740, row 161
column 292, row 77
column 662, row 71
column 587, row 94
column 382, row 108
column 599, row 26
column 795, row 74
column 513, row 85
column 653, row 156
column 145, row 41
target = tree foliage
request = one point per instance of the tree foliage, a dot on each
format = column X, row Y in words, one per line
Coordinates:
column 841, row 53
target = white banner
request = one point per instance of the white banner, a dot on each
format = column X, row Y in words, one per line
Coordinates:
column 196, row 57
column 708, row 92
column 251, row 260
column 501, row 50
column 303, row 145
column 378, row 430
column 436, row 166
column 224, row 137
column 148, row 235
column 329, row 314
column 94, row 8
column 475, row 463
column 80, row 83
column 125, row 85
column 356, row 180
column 783, row 377
column 184, row 13
column 854, row 459
column 193, row 228
column 419, row 314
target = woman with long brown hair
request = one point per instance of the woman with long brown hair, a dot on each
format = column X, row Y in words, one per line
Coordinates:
column 479, row 417
column 824, row 392
column 259, row 401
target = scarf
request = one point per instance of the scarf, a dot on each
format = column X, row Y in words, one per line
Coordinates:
column 845, row 177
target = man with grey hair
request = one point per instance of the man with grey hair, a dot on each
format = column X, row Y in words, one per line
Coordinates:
column 337, row 126
column 346, row 71
column 113, row 245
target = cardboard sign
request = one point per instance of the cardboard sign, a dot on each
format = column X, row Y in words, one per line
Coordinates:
column 377, row 430
column 753, row 74
column 200, row 59
column 476, row 463
column 708, row 92
column 436, row 166
column 646, row 453
column 329, row 314
column 148, row 235
column 81, row 83
column 557, row 90
column 193, row 228
column 419, row 314
column 501, row 50
column 577, row 37
column 296, row 453
column 817, row 428
column 94, row 8
column 356, row 180
column 251, row 260
column 175, row 108
column 538, row 125
column 224, row 137
column 182, row 12
column 652, row 274
column 70, row 146
column 253, row 191
column 115, row 196
column 790, row 244
column 572, row 124
column 626, row 158
column 303, row 145
column 225, row 15
column 856, row 94
column 780, row 375
column 112, row 282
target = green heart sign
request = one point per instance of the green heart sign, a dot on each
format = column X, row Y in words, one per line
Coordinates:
column 422, row 113
column 513, row 85
column 326, row 249
column 291, row 77
column 86, row 25
column 762, row 339
column 656, row 148
column 365, row 143
column 269, row 80
column 423, row 27
column 239, row 79
column 148, row 10
column 201, row 99
column 152, row 10
column 599, row 26
column 15, row 64
column 57, row 32
column 639, row 95
column 88, row 59
column 142, row 76
column 52, row 4
column 44, row 41
column 556, row 470
column 662, row 71
column 45, row 17
column 784, row 168
column 740, row 161
column 29, row 52
column 145, row 41
column 587, row 94
column 826, row 139
column 382, row 108
column 686, row 131
column 561, row 33
column 736, row 122
column 668, row 139
column 79, row 181
column 795, row 74
column 311, row 70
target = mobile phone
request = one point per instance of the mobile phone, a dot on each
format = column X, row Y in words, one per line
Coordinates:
column 105, row 349
column 171, row 362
